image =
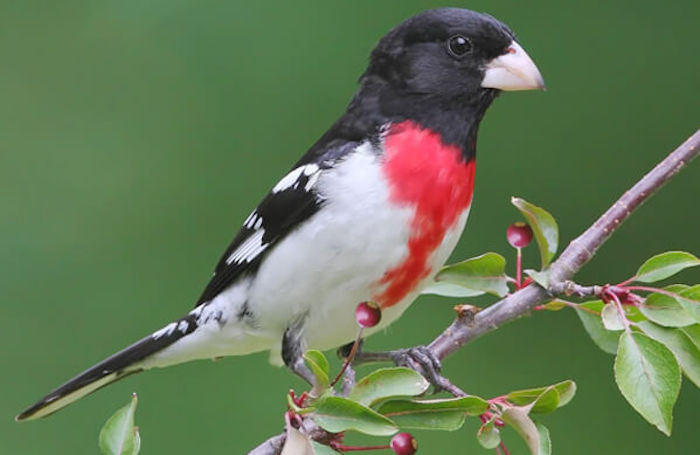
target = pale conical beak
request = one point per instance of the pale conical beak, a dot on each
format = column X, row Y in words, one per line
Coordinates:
column 513, row 70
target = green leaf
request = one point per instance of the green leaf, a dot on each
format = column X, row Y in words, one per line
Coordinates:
column 693, row 333
column 604, row 339
column 690, row 301
column 137, row 441
column 633, row 314
column 321, row 449
column 482, row 273
column 545, row 440
column 318, row 364
column 518, row 419
column 665, row 265
column 388, row 383
column 118, row 436
column 541, row 278
column 540, row 401
column 666, row 310
column 488, row 435
column 337, row 414
column 445, row 289
column 543, row 226
column 612, row 320
column 317, row 357
column 649, row 378
column 555, row 305
column 544, row 399
column 547, row 402
column 566, row 390
column 442, row 414
column 687, row 353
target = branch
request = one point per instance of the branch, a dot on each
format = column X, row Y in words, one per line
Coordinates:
column 469, row 325
column 575, row 256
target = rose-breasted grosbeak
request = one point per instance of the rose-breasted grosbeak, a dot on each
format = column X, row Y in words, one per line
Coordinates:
column 369, row 213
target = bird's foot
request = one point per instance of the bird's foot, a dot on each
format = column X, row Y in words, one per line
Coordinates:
column 299, row 368
column 420, row 358
column 424, row 361
column 293, row 357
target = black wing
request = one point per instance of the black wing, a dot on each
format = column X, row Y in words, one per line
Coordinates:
column 292, row 201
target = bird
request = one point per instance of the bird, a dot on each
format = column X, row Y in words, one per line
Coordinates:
column 369, row 213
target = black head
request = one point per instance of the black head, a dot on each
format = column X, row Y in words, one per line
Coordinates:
column 442, row 69
column 446, row 52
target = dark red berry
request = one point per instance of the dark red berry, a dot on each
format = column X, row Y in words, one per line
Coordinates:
column 519, row 234
column 404, row 444
column 368, row 314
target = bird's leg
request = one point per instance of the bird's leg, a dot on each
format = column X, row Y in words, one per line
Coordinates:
column 293, row 354
column 420, row 358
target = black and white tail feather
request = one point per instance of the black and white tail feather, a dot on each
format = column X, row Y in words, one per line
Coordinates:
column 291, row 202
column 115, row 367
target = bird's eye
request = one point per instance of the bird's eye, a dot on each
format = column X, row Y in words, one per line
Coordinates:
column 459, row 46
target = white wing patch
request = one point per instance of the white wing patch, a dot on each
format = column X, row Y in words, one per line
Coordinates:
column 291, row 180
column 254, row 221
column 183, row 326
column 253, row 245
column 312, row 180
column 248, row 250
column 165, row 331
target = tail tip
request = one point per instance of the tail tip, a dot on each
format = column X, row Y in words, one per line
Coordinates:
column 22, row 416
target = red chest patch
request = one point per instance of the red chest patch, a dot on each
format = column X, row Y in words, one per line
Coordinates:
column 432, row 177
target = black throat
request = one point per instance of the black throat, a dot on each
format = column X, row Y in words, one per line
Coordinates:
column 376, row 103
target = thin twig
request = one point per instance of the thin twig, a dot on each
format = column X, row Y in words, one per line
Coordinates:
column 575, row 256
column 568, row 287
column 348, row 360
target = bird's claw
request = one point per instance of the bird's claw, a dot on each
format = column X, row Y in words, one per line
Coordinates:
column 424, row 361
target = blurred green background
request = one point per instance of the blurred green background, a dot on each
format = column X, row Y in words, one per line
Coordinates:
column 136, row 136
